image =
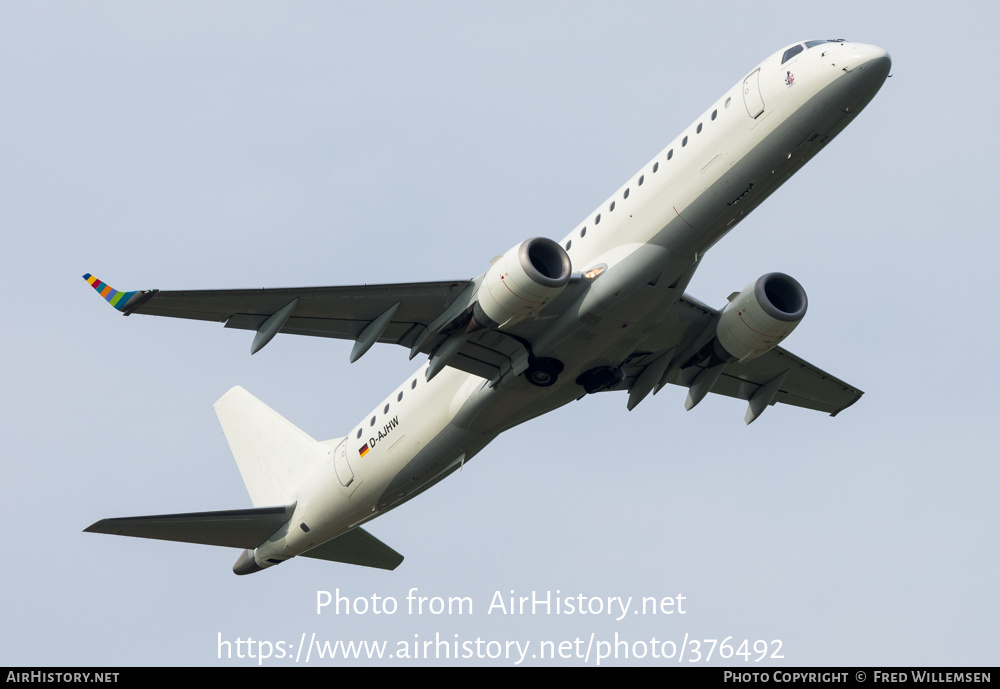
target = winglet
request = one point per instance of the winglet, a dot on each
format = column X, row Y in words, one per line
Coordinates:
column 117, row 299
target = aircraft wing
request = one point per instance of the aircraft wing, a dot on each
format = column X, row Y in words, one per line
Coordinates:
column 776, row 376
column 338, row 312
column 419, row 316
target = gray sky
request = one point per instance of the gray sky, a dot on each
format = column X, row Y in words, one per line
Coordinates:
column 179, row 145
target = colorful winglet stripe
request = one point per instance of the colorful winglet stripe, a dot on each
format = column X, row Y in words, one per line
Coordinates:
column 110, row 294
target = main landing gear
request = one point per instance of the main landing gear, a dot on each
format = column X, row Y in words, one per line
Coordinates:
column 602, row 378
column 543, row 372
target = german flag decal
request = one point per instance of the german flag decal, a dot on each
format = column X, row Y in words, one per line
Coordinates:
column 363, row 451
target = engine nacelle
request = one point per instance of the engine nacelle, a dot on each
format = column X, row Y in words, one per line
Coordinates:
column 521, row 283
column 761, row 316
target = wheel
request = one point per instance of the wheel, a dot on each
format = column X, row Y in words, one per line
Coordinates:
column 543, row 372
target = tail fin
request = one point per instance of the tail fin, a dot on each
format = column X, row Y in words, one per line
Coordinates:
column 275, row 457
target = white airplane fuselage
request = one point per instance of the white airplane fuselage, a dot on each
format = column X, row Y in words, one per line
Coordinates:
column 648, row 238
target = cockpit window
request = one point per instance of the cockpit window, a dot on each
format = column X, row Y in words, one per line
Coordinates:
column 813, row 44
column 791, row 52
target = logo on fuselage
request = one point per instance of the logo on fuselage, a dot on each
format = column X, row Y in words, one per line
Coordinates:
column 789, row 78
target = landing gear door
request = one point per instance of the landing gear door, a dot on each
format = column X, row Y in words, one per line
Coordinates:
column 343, row 469
column 751, row 95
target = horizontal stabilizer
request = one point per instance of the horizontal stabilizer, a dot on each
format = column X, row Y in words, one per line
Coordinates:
column 229, row 528
column 357, row 547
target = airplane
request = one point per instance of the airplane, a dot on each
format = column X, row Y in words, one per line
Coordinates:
column 547, row 323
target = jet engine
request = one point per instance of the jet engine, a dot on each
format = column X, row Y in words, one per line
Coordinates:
column 521, row 283
column 761, row 316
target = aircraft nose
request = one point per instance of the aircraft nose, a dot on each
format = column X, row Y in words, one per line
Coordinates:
column 868, row 66
column 872, row 58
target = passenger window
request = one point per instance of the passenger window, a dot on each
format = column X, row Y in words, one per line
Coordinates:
column 583, row 232
column 569, row 244
column 612, row 207
column 359, row 434
column 386, row 410
column 641, row 177
column 714, row 113
column 670, row 154
column 413, row 385
column 372, row 422
column 399, row 397
column 684, row 142
column 597, row 220
column 625, row 195
column 698, row 131
column 656, row 166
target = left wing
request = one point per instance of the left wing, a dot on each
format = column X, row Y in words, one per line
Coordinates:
column 775, row 376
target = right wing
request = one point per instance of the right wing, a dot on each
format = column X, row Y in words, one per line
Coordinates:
column 420, row 316
column 338, row 312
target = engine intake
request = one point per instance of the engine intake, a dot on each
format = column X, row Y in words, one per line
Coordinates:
column 761, row 316
column 521, row 283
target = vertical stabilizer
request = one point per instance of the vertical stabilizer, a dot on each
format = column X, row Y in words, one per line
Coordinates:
column 275, row 457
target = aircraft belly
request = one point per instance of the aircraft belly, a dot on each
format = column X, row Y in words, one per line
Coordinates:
column 606, row 330
column 761, row 170
column 445, row 453
column 452, row 434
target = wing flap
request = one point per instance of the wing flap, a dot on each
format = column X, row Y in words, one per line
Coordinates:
column 805, row 386
column 228, row 528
